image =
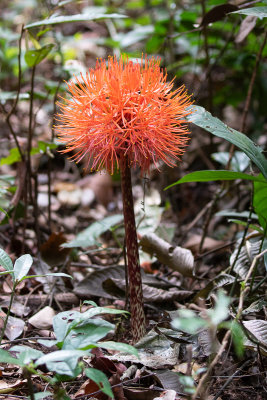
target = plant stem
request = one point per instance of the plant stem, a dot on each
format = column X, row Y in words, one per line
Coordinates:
column 8, row 311
column 134, row 270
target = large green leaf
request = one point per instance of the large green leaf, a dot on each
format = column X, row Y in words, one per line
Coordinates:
column 221, row 175
column 73, row 18
column 22, row 266
column 5, row 357
column 260, row 202
column 260, row 12
column 204, row 119
column 5, row 261
column 62, row 361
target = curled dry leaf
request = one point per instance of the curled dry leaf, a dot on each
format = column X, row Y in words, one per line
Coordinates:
column 258, row 329
column 176, row 258
column 245, row 257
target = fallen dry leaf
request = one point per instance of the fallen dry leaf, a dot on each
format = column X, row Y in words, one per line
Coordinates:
column 177, row 258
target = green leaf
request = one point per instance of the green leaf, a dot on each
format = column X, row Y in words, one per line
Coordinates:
column 87, row 333
column 88, row 237
column 205, row 120
column 124, row 347
column 264, row 247
column 100, row 310
column 61, row 323
column 236, row 214
column 221, row 175
column 238, row 338
column 5, row 357
column 22, row 266
column 221, row 310
column 43, row 147
column 41, row 395
column 26, row 354
column 5, row 261
column 49, row 274
column 5, row 96
column 239, row 161
column 260, row 202
column 244, row 223
column 189, row 322
column 100, row 379
column 260, row 12
column 34, row 57
column 13, row 157
column 73, row 18
column 62, row 361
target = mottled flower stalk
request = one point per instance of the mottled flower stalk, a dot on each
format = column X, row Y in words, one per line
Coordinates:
column 133, row 264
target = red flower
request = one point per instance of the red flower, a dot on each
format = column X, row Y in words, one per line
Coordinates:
column 124, row 109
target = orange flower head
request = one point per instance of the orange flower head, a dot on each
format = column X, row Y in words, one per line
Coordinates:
column 122, row 110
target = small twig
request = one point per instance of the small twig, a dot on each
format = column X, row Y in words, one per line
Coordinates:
column 16, row 100
column 241, row 243
column 230, row 378
column 207, row 253
column 248, row 98
column 27, row 375
column 216, row 197
column 207, row 61
column 200, row 387
column 8, row 311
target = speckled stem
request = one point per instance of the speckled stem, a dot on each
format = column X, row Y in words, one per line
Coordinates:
column 134, row 271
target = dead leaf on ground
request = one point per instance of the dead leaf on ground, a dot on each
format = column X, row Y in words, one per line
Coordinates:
column 92, row 284
column 14, row 328
column 177, row 258
column 133, row 393
column 258, row 329
column 9, row 387
column 168, row 380
column 17, row 308
column 117, row 287
column 155, row 350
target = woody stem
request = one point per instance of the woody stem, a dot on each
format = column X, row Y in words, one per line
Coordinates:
column 133, row 264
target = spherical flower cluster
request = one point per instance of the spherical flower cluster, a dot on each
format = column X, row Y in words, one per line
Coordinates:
column 122, row 110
